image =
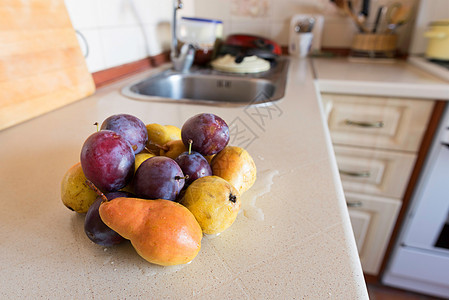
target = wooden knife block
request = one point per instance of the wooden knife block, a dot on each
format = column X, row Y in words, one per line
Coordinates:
column 41, row 64
column 375, row 43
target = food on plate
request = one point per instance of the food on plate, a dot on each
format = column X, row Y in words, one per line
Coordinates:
column 75, row 193
column 214, row 202
column 162, row 232
column 235, row 165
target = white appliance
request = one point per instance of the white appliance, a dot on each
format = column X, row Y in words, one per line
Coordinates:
column 420, row 260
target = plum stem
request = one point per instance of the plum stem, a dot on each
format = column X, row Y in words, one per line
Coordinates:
column 190, row 145
column 96, row 190
column 96, row 124
column 184, row 177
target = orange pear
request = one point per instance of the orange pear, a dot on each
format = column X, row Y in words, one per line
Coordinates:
column 162, row 232
column 236, row 166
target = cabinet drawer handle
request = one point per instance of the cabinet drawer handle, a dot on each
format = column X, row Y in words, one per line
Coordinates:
column 378, row 124
column 355, row 174
column 354, row 204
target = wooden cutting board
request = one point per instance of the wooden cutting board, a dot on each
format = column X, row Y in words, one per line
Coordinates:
column 41, row 64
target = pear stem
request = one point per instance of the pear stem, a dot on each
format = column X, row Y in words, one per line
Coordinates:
column 164, row 147
column 190, row 146
column 96, row 190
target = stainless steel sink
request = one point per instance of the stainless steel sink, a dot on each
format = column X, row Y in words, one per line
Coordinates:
column 207, row 86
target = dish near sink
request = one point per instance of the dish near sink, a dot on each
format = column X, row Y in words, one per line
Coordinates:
column 207, row 86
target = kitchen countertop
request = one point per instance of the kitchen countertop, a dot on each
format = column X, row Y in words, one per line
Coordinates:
column 292, row 239
column 395, row 78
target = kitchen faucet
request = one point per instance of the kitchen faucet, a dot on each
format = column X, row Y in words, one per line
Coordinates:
column 182, row 59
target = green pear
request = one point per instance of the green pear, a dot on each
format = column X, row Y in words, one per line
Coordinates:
column 214, row 202
column 75, row 193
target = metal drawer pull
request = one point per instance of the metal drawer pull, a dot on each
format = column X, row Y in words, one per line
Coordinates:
column 355, row 174
column 354, row 204
column 378, row 124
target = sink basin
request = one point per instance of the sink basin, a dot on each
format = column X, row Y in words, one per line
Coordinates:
column 207, row 86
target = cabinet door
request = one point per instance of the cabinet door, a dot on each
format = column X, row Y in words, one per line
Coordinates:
column 375, row 172
column 373, row 220
column 374, row 122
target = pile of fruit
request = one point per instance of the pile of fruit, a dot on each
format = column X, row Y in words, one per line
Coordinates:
column 158, row 186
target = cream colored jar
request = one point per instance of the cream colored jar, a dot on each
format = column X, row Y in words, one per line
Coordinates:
column 438, row 35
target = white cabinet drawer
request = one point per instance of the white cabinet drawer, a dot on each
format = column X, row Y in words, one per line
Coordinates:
column 373, row 219
column 385, row 123
column 375, row 172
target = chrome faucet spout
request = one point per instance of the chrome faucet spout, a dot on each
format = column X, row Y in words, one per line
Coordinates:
column 182, row 59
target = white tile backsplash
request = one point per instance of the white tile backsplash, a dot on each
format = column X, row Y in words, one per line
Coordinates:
column 122, row 31
column 83, row 13
column 95, row 58
column 116, row 13
column 122, row 45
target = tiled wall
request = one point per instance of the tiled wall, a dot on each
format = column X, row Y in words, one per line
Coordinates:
column 271, row 18
column 122, row 31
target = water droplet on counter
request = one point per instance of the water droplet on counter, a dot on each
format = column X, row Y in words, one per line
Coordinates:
column 107, row 260
column 260, row 157
column 211, row 236
column 262, row 186
column 254, row 213
column 152, row 269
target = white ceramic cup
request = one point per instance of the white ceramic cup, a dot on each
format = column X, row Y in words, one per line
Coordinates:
column 301, row 44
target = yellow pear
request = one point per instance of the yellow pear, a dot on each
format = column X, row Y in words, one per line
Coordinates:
column 163, row 232
column 209, row 158
column 214, row 202
column 235, row 165
column 172, row 149
column 159, row 135
column 140, row 158
column 75, row 193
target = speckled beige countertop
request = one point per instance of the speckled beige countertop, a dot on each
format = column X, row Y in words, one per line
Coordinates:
column 394, row 78
column 292, row 240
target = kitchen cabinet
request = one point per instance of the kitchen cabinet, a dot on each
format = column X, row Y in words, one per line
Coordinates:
column 376, row 142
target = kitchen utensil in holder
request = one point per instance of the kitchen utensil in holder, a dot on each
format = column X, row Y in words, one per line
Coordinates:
column 372, row 45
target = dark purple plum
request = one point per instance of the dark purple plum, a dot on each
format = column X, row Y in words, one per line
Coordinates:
column 209, row 133
column 193, row 165
column 129, row 127
column 158, row 177
column 107, row 160
column 96, row 230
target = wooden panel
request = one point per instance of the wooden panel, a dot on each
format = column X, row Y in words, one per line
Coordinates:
column 383, row 123
column 377, row 216
column 375, row 172
column 41, row 64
